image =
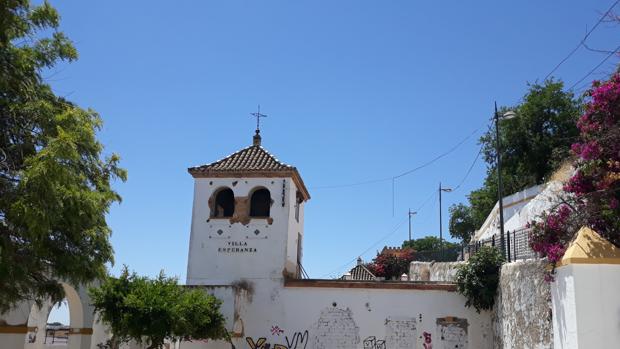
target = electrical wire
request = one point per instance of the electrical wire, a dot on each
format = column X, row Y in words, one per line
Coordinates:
column 392, row 178
column 583, row 40
column 470, row 168
column 398, row 226
column 392, row 232
column 595, row 68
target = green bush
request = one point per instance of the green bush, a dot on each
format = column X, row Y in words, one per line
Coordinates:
column 477, row 279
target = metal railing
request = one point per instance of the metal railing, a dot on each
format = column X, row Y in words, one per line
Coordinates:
column 517, row 246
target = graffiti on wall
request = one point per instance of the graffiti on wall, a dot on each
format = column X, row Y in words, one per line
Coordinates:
column 453, row 332
column 335, row 329
column 400, row 332
column 372, row 343
column 428, row 340
column 276, row 330
column 299, row 340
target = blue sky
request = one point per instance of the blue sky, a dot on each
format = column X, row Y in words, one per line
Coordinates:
column 354, row 90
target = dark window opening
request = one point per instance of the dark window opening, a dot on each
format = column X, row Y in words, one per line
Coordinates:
column 260, row 203
column 224, row 203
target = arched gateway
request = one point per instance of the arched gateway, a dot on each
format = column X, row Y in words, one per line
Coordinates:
column 24, row 326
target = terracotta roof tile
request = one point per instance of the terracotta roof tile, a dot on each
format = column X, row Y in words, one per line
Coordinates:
column 360, row 272
column 251, row 161
column 252, row 158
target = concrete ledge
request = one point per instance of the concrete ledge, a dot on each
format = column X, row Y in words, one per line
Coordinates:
column 389, row 285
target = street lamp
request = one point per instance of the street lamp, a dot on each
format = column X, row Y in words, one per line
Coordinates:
column 506, row 116
column 447, row 190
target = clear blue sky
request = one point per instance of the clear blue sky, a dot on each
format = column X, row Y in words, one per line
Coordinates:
column 354, row 90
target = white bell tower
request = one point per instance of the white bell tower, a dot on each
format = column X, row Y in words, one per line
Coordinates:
column 247, row 219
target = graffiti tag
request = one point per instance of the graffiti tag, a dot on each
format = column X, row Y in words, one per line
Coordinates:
column 298, row 341
column 428, row 341
column 276, row 330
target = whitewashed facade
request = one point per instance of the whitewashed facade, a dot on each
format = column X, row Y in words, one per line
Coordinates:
column 252, row 265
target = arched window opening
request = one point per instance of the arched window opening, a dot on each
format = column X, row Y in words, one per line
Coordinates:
column 260, row 203
column 224, row 205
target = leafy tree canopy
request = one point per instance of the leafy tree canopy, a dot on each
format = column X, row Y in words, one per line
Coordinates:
column 54, row 186
column 461, row 222
column 154, row 310
column 533, row 145
column 428, row 243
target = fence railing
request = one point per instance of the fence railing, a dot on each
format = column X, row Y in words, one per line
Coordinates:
column 516, row 247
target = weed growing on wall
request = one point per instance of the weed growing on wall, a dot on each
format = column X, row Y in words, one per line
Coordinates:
column 477, row 279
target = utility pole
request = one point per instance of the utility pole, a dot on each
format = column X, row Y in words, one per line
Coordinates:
column 447, row 190
column 411, row 213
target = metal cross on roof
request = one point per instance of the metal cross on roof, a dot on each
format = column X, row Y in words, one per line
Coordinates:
column 258, row 115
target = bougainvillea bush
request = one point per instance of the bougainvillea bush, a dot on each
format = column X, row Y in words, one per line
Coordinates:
column 593, row 193
column 391, row 266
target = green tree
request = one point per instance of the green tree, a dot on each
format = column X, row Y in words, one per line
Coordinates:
column 428, row 243
column 54, row 186
column 533, row 145
column 152, row 311
column 461, row 222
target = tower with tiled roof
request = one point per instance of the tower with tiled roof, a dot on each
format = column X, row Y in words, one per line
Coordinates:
column 247, row 219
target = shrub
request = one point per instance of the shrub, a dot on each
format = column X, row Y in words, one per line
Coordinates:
column 391, row 266
column 477, row 279
column 593, row 193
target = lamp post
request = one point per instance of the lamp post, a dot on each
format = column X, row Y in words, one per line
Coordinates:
column 411, row 213
column 447, row 190
column 497, row 117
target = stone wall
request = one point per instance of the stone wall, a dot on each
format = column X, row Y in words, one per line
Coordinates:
column 431, row 271
column 522, row 314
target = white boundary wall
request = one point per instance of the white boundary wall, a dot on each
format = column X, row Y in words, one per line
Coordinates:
column 586, row 306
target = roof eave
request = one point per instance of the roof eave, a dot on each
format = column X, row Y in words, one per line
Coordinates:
column 292, row 172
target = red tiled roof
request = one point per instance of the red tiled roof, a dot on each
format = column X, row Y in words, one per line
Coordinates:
column 252, row 158
column 248, row 162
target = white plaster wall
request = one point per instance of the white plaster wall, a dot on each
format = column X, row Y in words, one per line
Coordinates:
column 586, row 306
column 294, row 227
column 336, row 318
column 208, row 266
column 512, row 205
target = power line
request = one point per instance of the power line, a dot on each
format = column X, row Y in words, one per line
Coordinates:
column 428, row 163
column 398, row 226
column 470, row 168
column 595, row 68
column 583, row 40
column 392, row 178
